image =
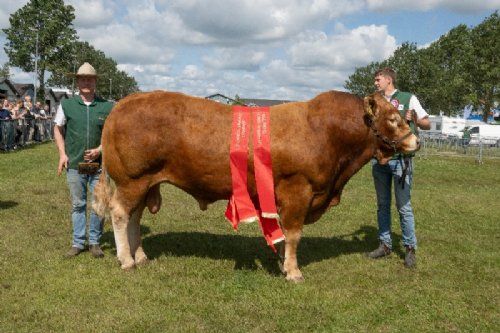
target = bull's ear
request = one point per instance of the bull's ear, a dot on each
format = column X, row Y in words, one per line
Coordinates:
column 370, row 106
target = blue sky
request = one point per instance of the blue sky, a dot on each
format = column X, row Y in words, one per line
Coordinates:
column 281, row 49
column 419, row 27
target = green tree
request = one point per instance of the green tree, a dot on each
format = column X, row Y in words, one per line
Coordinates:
column 43, row 28
column 5, row 71
column 361, row 81
column 111, row 83
column 484, row 69
column 406, row 62
column 444, row 83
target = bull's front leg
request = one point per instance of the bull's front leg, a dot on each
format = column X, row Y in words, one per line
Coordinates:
column 290, row 265
column 294, row 197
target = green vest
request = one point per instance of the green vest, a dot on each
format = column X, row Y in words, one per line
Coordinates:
column 83, row 126
column 401, row 100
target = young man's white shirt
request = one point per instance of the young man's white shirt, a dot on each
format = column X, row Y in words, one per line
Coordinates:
column 413, row 105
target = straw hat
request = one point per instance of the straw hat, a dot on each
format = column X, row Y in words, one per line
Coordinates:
column 86, row 70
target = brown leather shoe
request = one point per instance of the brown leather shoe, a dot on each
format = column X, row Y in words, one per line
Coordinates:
column 96, row 251
column 410, row 257
column 73, row 252
column 381, row 251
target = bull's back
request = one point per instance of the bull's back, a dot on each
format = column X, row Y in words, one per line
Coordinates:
column 170, row 135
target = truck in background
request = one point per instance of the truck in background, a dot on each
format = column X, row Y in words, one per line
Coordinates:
column 485, row 134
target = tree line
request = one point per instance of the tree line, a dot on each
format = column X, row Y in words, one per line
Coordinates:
column 43, row 30
column 460, row 68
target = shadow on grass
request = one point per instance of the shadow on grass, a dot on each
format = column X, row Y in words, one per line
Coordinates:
column 246, row 251
column 7, row 204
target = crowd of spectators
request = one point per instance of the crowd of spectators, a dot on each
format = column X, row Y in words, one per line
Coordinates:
column 20, row 118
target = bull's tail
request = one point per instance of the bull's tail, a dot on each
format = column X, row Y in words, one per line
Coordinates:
column 103, row 193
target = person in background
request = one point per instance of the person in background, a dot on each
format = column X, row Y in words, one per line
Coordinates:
column 399, row 170
column 18, row 112
column 5, row 113
column 45, row 112
column 466, row 136
column 77, row 133
column 7, row 127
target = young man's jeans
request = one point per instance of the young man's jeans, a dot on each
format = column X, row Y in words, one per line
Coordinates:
column 78, row 186
column 384, row 176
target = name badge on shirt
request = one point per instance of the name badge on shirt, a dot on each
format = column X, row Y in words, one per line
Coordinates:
column 401, row 107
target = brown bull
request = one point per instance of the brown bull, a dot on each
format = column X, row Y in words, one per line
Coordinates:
column 316, row 147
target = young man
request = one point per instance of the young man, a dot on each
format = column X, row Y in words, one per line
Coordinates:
column 79, row 122
column 399, row 170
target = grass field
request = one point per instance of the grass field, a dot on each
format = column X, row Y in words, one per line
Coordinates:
column 205, row 277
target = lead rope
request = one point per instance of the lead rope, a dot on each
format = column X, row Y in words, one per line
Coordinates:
column 407, row 159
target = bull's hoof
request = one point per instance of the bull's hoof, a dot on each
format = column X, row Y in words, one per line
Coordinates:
column 128, row 268
column 141, row 260
column 127, row 265
column 295, row 278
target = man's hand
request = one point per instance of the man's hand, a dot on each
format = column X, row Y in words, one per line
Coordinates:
column 409, row 115
column 91, row 154
column 63, row 164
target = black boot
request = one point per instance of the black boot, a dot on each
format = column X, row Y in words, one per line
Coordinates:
column 381, row 251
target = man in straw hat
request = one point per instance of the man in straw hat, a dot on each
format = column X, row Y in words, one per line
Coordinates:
column 78, row 125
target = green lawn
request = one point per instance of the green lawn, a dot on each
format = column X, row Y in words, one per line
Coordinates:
column 206, row 277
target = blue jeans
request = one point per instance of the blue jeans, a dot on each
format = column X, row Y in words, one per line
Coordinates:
column 78, row 186
column 384, row 176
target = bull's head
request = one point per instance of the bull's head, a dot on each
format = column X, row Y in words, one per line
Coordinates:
column 392, row 132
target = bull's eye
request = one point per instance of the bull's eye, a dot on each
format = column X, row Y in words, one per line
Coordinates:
column 393, row 122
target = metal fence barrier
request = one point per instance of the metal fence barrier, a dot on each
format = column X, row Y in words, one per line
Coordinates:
column 17, row 133
column 20, row 132
column 442, row 145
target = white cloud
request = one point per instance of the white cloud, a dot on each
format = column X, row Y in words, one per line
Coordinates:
column 462, row 6
column 235, row 59
column 150, row 77
column 21, row 76
column 343, row 51
column 7, row 8
column 257, row 21
column 92, row 13
column 125, row 44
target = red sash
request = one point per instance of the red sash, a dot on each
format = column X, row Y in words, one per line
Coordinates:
column 240, row 207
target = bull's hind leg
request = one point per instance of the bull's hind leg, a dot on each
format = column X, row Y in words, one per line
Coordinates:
column 294, row 197
column 134, row 236
column 124, row 202
column 153, row 202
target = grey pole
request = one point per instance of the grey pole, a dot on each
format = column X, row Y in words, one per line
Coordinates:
column 36, row 63
column 110, row 80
